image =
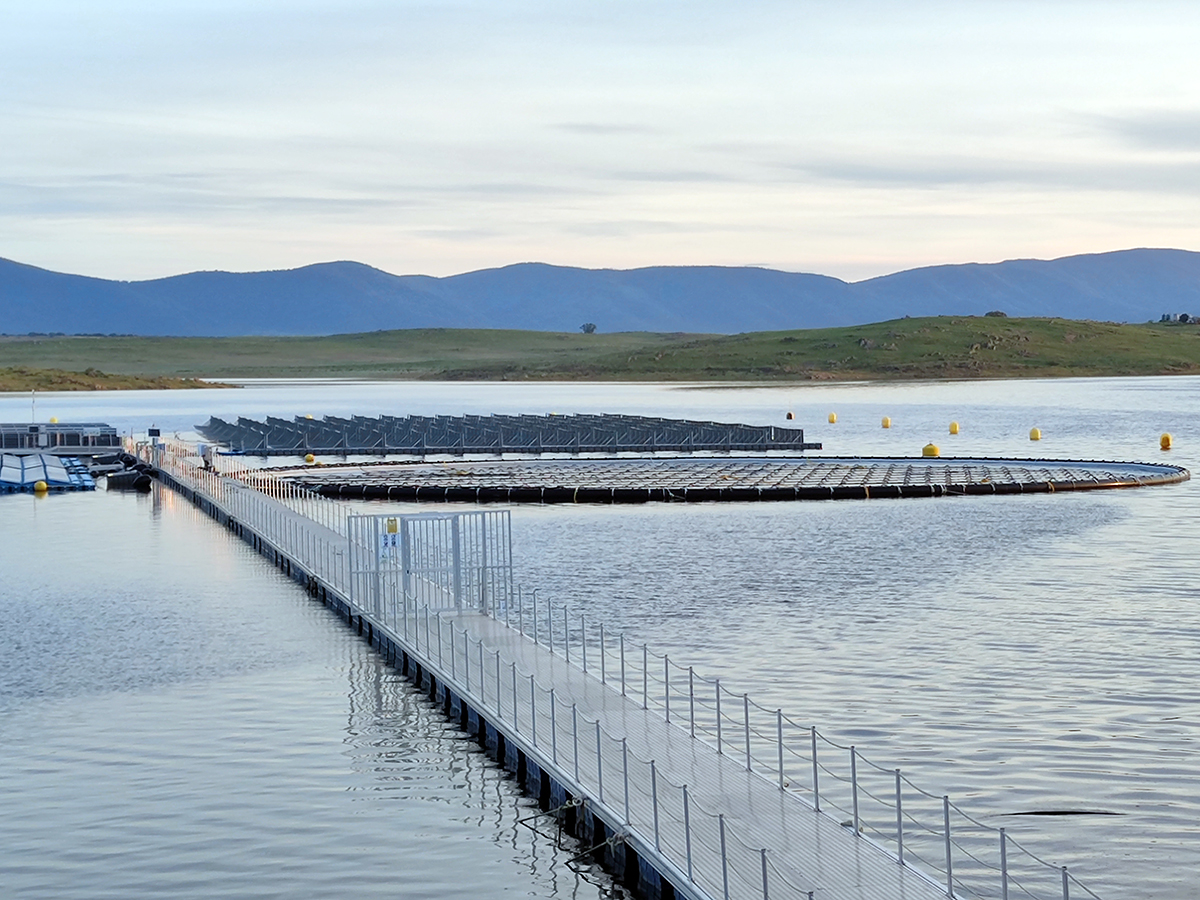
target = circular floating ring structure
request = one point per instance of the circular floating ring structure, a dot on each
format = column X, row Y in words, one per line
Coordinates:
column 721, row 479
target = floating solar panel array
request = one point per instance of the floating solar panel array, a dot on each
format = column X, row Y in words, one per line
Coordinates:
column 706, row 479
column 59, row 473
column 459, row 435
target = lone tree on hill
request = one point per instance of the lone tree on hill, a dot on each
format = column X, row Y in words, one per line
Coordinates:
column 588, row 327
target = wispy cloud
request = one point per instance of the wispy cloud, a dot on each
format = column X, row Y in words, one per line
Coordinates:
column 607, row 128
column 931, row 172
column 1160, row 130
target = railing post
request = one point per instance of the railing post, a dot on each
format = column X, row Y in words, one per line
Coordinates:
column 719, row 750
column 553, row 730
column 622, row 664
column 467, row 659
column 854, row 785
column 645, row 677
column 427, row 650
column 453, row 662
column 599, row 764
column 516, row 726
column 625, row 774
column 949, row 862
column 583, row 641
column 746, row 709
column 1003, row 865
column 439, row 637
column 816, row 788
column 766, row 893
column 1066, row 885
column 779, row 742
column 520, row 610
column 692, row 699
column 603, row 661
column 533, row 710
column 654, row 801
column 667, row 685
column 899, row 822
column 550, row 626
column 724, row 858
column 575, row 740
column 507, row 623
column 687, row 833
column 566, row 635
column 535, row 617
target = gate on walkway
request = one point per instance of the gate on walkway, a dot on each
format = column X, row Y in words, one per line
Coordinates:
column 447, row 562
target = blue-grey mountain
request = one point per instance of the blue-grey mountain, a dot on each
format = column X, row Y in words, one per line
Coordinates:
column 342, row 297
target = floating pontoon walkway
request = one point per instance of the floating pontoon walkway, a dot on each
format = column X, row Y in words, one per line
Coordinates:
column 459, row 435
column 21, row 474
column 709, row 479
column 681, row 795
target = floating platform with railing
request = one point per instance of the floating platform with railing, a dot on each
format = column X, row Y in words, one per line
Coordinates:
column 694, row 479
column 69, row 439
column 679, row 785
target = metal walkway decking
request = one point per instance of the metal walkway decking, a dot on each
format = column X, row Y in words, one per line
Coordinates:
column 709, row 820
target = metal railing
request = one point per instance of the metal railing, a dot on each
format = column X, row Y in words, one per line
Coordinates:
column 878, row 803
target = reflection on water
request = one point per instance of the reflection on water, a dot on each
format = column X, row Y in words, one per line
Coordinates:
column 1020, row 653
column 179, row 720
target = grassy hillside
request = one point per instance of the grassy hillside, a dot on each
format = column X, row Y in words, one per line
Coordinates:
column 415, row 353
column 939, row 347
column 23, row 378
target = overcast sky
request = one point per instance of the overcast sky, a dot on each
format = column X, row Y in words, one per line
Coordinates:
column 143, row 139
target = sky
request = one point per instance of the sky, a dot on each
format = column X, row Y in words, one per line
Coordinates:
column 139, row 139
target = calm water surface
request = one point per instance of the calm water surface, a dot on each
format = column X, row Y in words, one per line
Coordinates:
column 1020, row 653
column 179, row 720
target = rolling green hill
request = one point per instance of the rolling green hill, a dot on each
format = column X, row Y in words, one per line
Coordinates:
column 935, row 347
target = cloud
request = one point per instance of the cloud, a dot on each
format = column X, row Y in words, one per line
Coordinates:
column 1157, row 130
column 932, row 172
column 603, row 128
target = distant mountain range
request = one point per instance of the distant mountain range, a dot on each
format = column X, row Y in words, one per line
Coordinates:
column 343, row 297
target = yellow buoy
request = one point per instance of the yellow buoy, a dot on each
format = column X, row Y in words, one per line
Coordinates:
column 791, row 415
column 309, row 458
column 931, row 450
column 1035, row 434
column 887, row 422
column 40, row 487
column 1164, row 442
column 54, row 420
column 832, row 418
column 954, row 428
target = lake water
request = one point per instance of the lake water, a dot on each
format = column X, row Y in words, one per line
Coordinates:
column 180, row 719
